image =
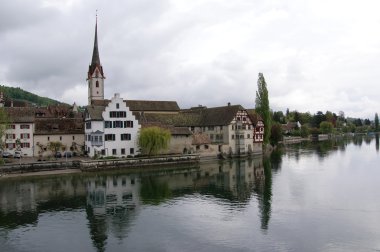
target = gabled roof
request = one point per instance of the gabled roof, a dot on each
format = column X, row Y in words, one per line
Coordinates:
column 152, row 106
column 254, row 116
column 95, row 112
column 20, row 114
column 219, row 116
column 58, row 126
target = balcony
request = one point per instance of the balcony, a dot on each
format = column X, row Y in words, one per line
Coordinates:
column 97, row 143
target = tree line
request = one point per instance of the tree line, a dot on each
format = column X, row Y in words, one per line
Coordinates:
column 318, row 123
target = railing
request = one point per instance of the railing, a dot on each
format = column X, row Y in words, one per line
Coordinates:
column 96, row 143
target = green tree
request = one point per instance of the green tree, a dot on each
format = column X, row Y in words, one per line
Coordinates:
column 326, row 127
column 262, row 106
column 276, row 133
column 305, row 131
column 4, row 121
column 376, row 122
column 153, row 139
column 55, row 147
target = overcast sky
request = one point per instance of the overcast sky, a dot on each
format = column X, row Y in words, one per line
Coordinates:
column 315, row 54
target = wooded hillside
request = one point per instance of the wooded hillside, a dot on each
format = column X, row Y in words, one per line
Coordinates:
column 22, row 95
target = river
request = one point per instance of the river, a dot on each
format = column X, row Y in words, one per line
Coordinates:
column 306, row 197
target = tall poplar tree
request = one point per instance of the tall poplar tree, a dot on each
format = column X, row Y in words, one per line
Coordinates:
column 262, row 106
column 376, row 122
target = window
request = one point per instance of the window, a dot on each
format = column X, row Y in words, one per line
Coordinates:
column 233, row 136
column 24, row 126
column 10, row 145
column 107, row 124
column 132, row 151
column 118, row 114
column 244, row 119
column 48, row 138
column 88, row 125
column 109, row 137
column 25, row 145
column 248, row 136
column 60, row 138
column 117, row 105
column 122, row 151
column 211, row 136
column 73, row 137
column 103, row 152
column 221, row 128
column 206, row 146
column 125, row 137
column 97, row 84
column 128, row 124
column 10, row 136
column 24, row 136
column 117, row 124
column 113, row 151
column 11, row 126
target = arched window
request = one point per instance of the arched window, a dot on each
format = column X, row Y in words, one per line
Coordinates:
column 97, row 84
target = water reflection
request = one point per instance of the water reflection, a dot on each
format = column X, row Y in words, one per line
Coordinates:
column 115, row 205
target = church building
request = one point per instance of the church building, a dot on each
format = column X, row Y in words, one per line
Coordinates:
column 110, row 127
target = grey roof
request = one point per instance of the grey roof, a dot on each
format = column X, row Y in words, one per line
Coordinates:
column 20, row 114
column 46, row 126
column 152, row 106
column 95, row 112
column 218, row 116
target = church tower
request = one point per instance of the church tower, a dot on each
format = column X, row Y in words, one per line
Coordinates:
column 95, row 75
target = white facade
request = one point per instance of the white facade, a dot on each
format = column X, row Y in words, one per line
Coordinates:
column 115, row 134
column 19, row 136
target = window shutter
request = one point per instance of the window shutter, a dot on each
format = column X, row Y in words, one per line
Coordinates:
column 28, row 135
column 14, row 136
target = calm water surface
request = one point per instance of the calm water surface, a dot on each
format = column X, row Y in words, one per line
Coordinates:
column 307, row 197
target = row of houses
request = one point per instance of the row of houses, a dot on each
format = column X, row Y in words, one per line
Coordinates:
column 110, row 127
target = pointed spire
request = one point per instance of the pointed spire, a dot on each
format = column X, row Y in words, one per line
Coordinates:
column 95, row 54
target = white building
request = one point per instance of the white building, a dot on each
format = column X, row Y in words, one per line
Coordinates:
column 19, row 130
column 111, row 129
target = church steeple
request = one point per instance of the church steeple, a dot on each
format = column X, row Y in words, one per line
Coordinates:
column 95, row 75
column 95, row 53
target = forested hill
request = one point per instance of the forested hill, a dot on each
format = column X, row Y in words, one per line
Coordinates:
column 22, row 95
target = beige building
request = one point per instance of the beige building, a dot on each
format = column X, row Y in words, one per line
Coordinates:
column 68, row 131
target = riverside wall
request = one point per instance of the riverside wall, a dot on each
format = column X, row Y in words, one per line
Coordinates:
column 96, row 165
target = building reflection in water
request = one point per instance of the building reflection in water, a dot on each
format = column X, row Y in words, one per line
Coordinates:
column 112, row 201
column 22, row 200
column 377, row 142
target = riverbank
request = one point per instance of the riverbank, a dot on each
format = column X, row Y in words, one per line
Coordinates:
column 63, row 166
